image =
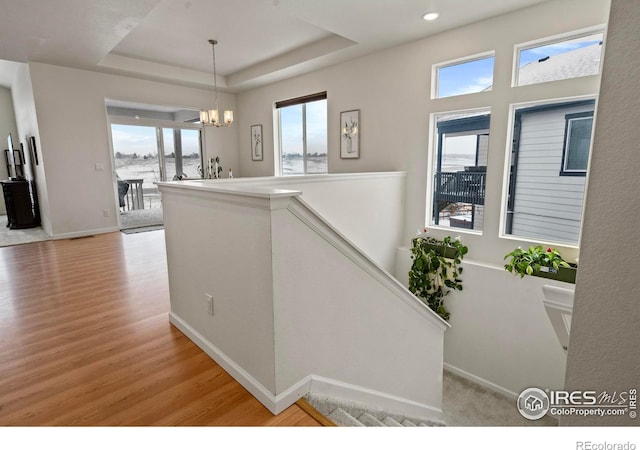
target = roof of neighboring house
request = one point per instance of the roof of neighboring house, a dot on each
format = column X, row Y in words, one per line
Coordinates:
column 572, row 64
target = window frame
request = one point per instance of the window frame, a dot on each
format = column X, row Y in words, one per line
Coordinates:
column 550, row 40
column 569, row 118
column 303, row 100
column 515, row 109
column 480, row 119
column 435, row 75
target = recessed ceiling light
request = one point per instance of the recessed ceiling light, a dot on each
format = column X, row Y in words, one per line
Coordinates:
column 430, row 16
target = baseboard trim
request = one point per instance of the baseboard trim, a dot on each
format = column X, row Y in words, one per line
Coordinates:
column 481, row 381
column 257, row 389
column 375, row 399
column 78, row 234
column 309, row 384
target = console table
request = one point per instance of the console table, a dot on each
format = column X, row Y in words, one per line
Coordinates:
column 21, row 201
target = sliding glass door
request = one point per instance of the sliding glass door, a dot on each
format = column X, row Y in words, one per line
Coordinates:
column 145, row 154
column 182, row 153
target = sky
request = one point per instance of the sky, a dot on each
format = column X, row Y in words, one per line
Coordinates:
column 291, row 124
column 130, row 139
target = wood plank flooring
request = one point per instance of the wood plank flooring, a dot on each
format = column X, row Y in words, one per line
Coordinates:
column 85, row 339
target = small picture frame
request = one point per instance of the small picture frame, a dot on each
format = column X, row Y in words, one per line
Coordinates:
column 256, row 142
column 350, row 134
column 33, row 150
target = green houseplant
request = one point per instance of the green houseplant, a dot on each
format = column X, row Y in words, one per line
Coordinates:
column 539, row 262
column 435, row 270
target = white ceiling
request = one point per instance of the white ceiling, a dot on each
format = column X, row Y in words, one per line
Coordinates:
column 259, row 40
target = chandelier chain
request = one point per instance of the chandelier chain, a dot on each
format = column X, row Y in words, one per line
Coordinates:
column 213, row 43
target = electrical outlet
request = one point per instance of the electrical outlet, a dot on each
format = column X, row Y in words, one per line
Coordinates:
column 209, row 304
column 105, row 213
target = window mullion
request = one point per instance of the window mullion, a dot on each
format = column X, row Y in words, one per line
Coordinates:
column 304, row 138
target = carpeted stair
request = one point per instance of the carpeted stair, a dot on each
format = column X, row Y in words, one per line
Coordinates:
column 346, row 414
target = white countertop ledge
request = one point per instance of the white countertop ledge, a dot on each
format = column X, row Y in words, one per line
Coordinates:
column 229, row 189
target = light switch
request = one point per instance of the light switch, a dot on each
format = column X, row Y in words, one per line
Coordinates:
column 99, row 167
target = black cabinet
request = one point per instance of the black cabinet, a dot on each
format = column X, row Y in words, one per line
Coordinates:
column 21, row 201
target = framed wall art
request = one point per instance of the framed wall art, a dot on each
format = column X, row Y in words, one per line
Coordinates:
column 256, row 142
column 350, row 134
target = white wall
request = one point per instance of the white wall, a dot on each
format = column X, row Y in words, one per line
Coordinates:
column 223, row 249
column 295, row 301
column 367, row 208
column 27, row 122
column 500, row 335
column 7, row 125
column 335, row 320
column 605, row 330
column 71, row 110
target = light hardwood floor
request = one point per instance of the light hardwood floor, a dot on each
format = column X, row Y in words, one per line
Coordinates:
column 85, row 339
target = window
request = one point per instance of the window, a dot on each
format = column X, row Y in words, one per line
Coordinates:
column 577, row 142
column 559, row 59
column 182, row 154
column 303, row 135
column 466, row 77
column 542, row 204
column 460, row 169
column 145, row 154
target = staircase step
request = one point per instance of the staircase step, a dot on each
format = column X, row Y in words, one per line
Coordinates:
column 345, row 413
column 343, row 418
column 388, row 421
column 370, row 421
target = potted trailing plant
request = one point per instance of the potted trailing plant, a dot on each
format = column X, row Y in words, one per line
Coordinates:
column 435, row 270
column 539, row 262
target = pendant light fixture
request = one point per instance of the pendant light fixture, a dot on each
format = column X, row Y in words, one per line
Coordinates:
column 212, row 117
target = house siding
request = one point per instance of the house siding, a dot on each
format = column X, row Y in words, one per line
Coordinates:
column 547, row 206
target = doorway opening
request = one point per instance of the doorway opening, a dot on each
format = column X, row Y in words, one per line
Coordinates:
column 150, row 146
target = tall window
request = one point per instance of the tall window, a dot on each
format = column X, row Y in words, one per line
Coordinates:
column 460, row 169
column 550, row 141
column 303, row 135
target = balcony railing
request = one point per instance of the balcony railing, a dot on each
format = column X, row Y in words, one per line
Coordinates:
column 460, row 187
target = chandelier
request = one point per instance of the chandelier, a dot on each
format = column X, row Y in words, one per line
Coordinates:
column 212, row 117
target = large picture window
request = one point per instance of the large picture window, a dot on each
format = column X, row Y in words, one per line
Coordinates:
column 303, row 135
column 542, row 204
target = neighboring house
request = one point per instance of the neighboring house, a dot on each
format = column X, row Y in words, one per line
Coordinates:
column 548, row 170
